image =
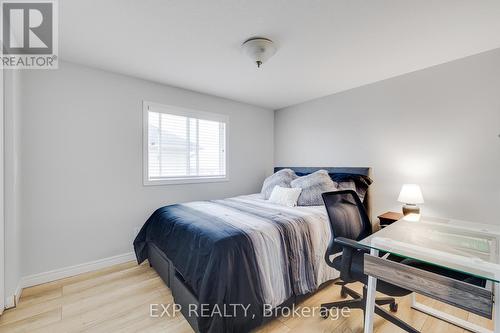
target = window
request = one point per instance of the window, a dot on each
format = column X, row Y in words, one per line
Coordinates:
column 183, row 146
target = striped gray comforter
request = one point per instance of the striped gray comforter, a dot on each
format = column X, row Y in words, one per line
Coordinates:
column 242, row 250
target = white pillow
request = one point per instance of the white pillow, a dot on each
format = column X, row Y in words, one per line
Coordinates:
column 285, row 196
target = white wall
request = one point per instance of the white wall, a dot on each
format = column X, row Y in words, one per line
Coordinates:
column 12, row 126
column 82, row 192
column 2, row 192
column 436, row 127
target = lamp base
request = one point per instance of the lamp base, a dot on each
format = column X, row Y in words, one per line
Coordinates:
column 411, row 209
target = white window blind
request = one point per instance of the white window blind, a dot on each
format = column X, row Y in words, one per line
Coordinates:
column 184, row 145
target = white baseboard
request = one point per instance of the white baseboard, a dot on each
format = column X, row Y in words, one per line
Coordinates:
column 12, row 300
column 61, row 273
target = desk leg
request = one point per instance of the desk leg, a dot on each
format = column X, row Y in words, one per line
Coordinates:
column 370, row 299
column 447, row 317
column 496, row 309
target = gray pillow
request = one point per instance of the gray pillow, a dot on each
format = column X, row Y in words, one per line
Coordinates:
column 281, row 178
column 312, row 186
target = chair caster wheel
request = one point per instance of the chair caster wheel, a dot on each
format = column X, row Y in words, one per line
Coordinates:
column 393, row 307
column 324, row 313
column 343, row 294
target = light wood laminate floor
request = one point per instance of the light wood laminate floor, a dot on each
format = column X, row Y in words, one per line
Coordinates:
column 118, row 298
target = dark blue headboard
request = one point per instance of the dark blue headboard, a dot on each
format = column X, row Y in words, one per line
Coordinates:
column 345, row 170
column 363, row 171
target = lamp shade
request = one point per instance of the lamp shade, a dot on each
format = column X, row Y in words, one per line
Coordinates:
column 411, row 194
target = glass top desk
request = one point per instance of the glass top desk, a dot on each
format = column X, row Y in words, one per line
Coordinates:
column 466, row 247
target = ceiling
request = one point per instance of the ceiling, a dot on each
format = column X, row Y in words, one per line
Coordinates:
column 324, row 46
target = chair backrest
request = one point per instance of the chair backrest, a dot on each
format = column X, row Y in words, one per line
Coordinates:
column 347, row 217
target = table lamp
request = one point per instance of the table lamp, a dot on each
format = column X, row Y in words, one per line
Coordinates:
column 411, row 196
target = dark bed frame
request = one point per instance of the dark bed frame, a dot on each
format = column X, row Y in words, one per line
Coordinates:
column 182, row 292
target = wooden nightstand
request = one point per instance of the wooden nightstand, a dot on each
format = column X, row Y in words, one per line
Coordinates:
column 389, row 217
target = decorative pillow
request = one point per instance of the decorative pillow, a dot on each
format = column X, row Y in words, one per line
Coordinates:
column 281, row 178
column 312, row 186
column 285, row 196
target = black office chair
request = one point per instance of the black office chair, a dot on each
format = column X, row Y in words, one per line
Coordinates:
column 350, row 223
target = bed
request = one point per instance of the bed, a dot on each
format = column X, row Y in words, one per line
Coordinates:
column 228, row 262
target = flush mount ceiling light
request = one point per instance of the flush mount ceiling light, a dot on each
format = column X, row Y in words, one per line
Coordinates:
column 259, row 49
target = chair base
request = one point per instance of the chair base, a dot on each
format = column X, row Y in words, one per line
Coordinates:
column 359, row 302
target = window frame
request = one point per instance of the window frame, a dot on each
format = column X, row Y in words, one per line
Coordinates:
column 185, row 112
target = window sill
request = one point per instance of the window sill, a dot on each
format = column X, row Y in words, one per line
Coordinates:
column 158, row 182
